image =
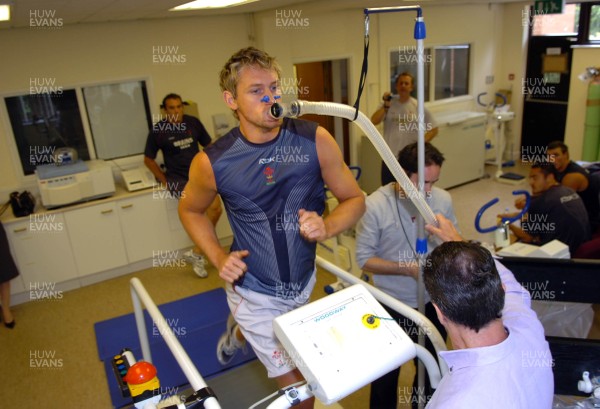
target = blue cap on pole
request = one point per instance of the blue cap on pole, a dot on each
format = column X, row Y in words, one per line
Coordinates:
column 421, row 246
column 420, row 29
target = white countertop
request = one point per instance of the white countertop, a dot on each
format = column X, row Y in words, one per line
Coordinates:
column 448, row 118
column 120, row 193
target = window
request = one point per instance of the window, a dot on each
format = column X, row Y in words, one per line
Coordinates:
column 50, row 118
column 451, row 71
column 578, row 19
column 119, row 117
column 566, row 23
column 42, row 123
column 594, row 31
column 450, row 74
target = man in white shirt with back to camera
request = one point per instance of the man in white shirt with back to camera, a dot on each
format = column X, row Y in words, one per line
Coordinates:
column 501, row 359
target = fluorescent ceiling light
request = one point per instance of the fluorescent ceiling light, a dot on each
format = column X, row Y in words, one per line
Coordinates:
column 210, row 4
column 4, row 12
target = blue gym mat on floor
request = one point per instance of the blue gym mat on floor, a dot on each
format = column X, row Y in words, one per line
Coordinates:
column 197, row 321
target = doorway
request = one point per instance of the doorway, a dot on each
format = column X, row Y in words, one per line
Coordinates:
column 326, row 81
column 546, row 84
column 546, row 93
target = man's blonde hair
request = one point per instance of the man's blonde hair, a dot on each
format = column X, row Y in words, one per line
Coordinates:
column 245, row 57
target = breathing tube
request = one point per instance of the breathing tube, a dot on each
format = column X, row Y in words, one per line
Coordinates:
column 298, row 108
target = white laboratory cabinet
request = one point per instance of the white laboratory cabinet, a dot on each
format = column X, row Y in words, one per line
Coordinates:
column 178, row 235
column 90, row 242
column 41, row 249
column 461, row 139
column 144, row 226
column 96, row 238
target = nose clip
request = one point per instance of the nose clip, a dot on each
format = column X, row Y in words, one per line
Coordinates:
column 267, row 99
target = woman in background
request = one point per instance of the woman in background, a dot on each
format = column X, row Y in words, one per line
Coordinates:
column 8, row 271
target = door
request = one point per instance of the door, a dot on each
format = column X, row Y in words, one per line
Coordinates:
column 545, row 87
column 314, row 84
column 326, row 81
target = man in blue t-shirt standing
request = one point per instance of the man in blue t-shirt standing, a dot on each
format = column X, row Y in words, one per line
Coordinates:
column 178, row 136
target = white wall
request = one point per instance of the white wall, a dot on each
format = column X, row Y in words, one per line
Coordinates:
column 91, row 53
column 513, row 60
column 99, row 52
column 490, row 29
column 324, row 36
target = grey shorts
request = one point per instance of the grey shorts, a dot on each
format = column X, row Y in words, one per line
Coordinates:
column 254, row 312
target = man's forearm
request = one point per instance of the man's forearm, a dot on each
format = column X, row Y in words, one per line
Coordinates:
column 378, row 116
column 344, row 216
column 377, row 265
column 521, row 234
column 155, row 169
column 517, row 298
column 429, row 135
column 202, row 232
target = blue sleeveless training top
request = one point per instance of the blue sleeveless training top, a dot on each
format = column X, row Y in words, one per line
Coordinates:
column 262, row 187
